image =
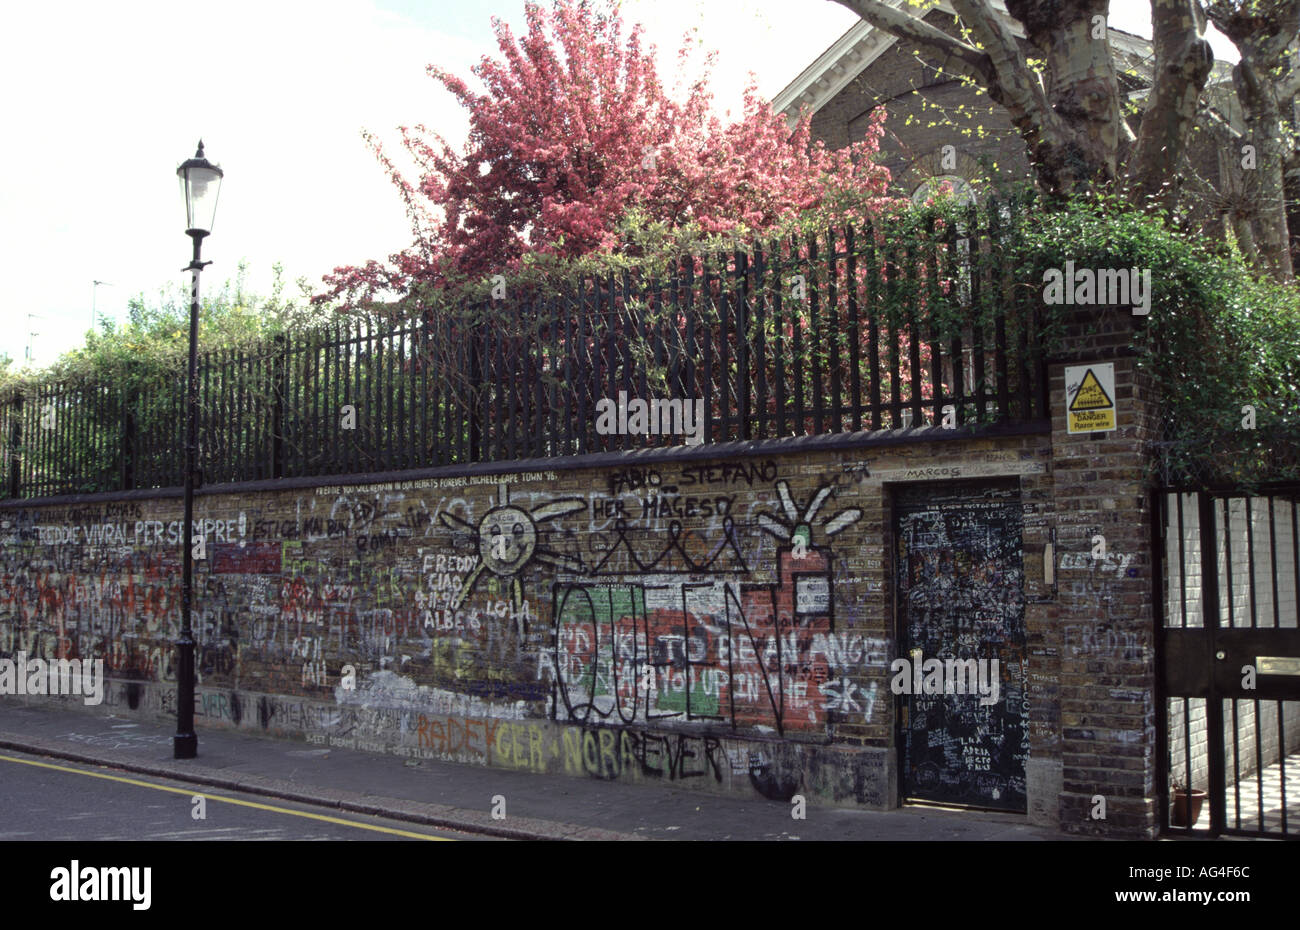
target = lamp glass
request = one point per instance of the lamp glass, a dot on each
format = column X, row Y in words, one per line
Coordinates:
column 200, row 186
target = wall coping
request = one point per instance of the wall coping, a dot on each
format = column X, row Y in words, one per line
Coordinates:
column 628, row 458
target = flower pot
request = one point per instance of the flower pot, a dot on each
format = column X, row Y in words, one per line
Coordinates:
column 1181, row 815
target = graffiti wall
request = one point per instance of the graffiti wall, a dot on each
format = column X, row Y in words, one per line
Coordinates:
column 725, row 624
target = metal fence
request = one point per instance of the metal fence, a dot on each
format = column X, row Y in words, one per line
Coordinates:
column 1228, row 661
column 842, row 331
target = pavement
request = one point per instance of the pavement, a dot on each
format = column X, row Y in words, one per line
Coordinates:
column 461, row 797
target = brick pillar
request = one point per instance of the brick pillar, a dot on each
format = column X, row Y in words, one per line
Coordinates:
column 1104, row 612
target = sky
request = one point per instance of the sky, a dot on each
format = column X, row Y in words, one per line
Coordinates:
column 103, row 101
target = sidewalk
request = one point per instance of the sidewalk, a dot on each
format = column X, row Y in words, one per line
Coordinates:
column 446, row 794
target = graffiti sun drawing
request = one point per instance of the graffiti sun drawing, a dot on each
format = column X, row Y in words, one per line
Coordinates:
column 793, row 528
column 507, row 541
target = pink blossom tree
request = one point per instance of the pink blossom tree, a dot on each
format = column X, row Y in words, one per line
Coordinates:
column 572, row 130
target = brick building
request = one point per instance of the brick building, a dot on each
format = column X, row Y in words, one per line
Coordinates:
column 928, row 109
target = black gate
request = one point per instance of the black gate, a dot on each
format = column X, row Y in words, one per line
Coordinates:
column 960, row 597
column 1229, row 659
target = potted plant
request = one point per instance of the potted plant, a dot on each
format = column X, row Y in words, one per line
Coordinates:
column 1187, row 805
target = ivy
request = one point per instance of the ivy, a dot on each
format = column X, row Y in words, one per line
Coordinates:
column 1218, row 340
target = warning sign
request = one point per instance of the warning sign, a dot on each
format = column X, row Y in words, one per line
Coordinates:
column 1090, row 398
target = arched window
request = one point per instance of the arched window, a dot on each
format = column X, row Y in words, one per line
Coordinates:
column 964, row 194
column 961, row 189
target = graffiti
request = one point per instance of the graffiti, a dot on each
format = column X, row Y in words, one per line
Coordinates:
column 793, row 526
column 622, row 631
column 734, row 473
column 684, row 552
column 455, row 737
column 633, row 479
column 662, row 644
column 849, row 698
column 662, row 506
column 1102, row 639
column 1114, row 562
column 673, row 651
column 508, row 542
column 720, row 647
column 960, row 583
column 1097, row 586
column 260, row 558
column 143, row 533
column 776, row 779
column 611, row 753
column 295, row 716
column 389, row 689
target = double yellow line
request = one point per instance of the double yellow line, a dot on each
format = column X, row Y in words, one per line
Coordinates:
column 216, row 797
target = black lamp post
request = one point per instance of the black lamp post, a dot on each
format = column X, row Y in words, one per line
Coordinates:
column 200, row 184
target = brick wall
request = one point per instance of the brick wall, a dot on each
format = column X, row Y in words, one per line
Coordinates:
column 913, row 95
column 641, row 620
column 465, row 653
column 1105, row 610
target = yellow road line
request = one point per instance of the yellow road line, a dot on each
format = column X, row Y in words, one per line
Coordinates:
column 217, row 797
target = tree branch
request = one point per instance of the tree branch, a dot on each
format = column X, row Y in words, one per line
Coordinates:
column 1067, row 150
column 969, row 59
column 1021, row 86
column 1220, row 123
column 1289, row 86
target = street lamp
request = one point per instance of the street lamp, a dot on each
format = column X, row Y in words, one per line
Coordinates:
column 200, row 185
column 94, row 293
column 32, row 334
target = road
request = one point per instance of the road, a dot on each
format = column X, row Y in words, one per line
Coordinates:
column 49, row 799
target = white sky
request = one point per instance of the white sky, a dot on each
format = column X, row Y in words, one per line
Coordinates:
column 103, row 101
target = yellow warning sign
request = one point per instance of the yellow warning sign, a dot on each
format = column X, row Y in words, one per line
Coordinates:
column 1091, row 393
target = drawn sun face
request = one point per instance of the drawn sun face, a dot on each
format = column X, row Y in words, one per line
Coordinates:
column 507, row 538
column 507, row 541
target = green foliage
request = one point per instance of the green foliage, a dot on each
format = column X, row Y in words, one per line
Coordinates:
column 1218, row 337
column 154, row 341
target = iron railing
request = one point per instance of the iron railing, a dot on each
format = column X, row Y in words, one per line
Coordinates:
column 843, row 331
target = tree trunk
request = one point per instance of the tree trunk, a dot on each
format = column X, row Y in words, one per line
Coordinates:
column 1263, row 31
column 1245, row 236
column 1264, row 124
column 1070, row 119
column 1080, row 82
column 1183, row 63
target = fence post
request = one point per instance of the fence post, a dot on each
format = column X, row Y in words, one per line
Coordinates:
column 280, row 378
column 425, row 357
column 129, row 393
column 15, row 440
column 744, row 375
column 475, row 392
